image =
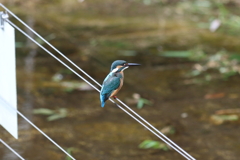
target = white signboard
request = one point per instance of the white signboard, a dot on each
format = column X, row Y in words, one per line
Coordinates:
column 8, row 95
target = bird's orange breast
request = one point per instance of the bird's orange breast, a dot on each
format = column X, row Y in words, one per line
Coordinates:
column 114, row 93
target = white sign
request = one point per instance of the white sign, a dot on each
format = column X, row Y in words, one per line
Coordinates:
column 8, row 95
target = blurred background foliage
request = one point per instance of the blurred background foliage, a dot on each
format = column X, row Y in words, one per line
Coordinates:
column 197, row 29
column 187, row 84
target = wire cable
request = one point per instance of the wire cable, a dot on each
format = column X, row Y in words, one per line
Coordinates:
column 49, row 44
column 96, row 88
column 11, row 149
column 169, row 140
column 93, row 79
column 178, row 149
column 15, row 110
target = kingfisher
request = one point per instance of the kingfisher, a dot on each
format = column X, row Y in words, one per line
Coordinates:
column 114, row 80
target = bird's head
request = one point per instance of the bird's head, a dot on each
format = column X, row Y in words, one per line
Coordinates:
column 121, row 65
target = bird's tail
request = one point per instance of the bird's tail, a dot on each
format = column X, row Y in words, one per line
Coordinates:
column 103, row 99
column 102, row 104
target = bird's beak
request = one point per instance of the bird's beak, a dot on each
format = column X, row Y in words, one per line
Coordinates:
column 133, row 64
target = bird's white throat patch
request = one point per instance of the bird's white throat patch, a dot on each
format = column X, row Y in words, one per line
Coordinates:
column 125, row 68
column 116, row 69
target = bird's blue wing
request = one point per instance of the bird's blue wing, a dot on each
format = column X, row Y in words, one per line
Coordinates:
column 110, row 84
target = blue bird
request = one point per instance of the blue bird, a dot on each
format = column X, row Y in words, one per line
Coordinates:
column 114, row 80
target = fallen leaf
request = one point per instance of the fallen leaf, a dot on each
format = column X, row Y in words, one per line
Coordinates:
column 214, row 96
column 219, row 119
column 228, row 111
column 150, row 144
column 168, row 130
